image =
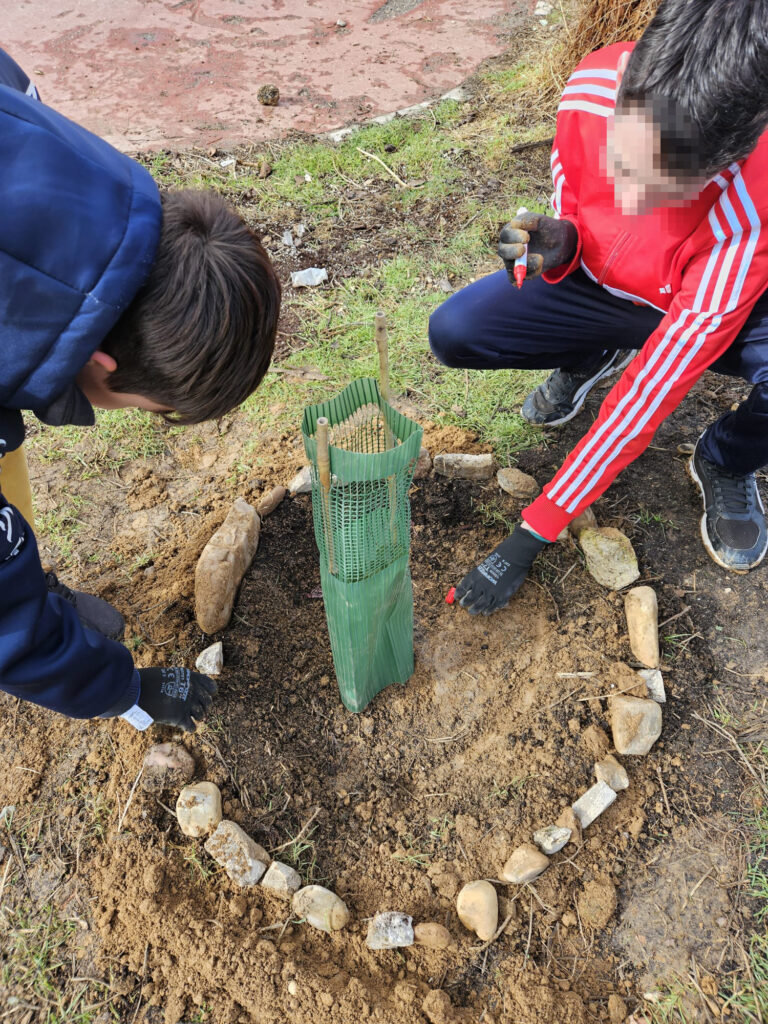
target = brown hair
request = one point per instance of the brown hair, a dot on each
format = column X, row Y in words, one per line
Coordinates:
column 199, row 335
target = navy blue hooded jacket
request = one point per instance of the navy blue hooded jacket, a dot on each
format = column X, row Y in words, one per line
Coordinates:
column 79, row 227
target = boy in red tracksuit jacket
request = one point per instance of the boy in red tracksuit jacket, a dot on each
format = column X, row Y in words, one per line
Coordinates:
column 659, row 243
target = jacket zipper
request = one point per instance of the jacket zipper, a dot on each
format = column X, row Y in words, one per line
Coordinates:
column 621, row 242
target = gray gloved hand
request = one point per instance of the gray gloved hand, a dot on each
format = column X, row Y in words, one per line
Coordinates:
column 489, row 587
column 175, row 696
column 550, row 243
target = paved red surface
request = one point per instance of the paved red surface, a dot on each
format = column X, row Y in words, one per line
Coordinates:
column 151, row 74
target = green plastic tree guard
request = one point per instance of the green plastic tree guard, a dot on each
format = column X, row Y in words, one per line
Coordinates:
column 363, row 532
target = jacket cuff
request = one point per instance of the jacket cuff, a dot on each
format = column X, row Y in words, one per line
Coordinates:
column 129, row 697
column 557, row 274
column 546, row 518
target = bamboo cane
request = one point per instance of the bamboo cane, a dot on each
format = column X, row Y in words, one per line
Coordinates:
column 382, row 344
column 324, row 473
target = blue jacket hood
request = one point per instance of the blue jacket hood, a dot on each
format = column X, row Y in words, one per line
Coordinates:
column 79, row 230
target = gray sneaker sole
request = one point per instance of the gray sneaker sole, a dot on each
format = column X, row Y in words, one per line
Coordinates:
column 581, row 395
column 705, row 536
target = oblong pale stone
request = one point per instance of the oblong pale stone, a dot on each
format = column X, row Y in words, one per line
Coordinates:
column 222, row 565
column 520, row 485
column 592, row 804
column 390, row 930
column 524, row 865
column 642, row 611
column 198, row 809
column 432, row 935
column 636, row 724
column 243, row 859
column 478, row 908
column 269, row 502
column 321, row 908
column 464, row 467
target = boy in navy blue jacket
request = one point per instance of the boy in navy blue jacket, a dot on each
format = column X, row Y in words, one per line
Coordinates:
column 110, row 296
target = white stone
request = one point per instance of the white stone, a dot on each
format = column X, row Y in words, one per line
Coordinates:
column 642, row 612
column 321, row 908
column 655, row 683
column 309, row 278
column 302, row 482
column 610, row 557
column 222, row 565
column 592, row 804
column 552, row 838
column 390, row 930
column 520, row 485
column 243, row 859
column 211, row 661
column 636, row 724
column 609, row 770
column 464, row 467
column 282, row 879
column 166, row 766
column 524, row 865
column 198, row 809
column 478, row 908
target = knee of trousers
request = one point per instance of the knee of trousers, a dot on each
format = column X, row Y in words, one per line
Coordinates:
column 448, row 337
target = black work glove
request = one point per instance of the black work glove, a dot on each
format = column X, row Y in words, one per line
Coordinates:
column 550, row 243
column 489, row 587
column 175, row 696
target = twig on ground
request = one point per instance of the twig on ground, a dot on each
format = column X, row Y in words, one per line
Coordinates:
column 530, row 933
column 296, row 838
column 128, row 802
column 390, row 172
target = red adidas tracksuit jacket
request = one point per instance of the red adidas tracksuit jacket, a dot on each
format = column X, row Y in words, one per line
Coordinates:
column 704, row 265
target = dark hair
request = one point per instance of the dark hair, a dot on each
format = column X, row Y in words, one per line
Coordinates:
column 701, row 69
column 199, row 335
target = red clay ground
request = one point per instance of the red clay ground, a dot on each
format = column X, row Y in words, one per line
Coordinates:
column 169, row 75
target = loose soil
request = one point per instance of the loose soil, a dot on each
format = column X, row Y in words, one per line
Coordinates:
column 432, row 786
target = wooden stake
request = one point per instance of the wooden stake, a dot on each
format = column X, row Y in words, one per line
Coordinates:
column 324, row 473
column 382, row 345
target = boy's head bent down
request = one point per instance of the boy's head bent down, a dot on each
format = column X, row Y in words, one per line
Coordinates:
column 198, row 337
column 692, row 99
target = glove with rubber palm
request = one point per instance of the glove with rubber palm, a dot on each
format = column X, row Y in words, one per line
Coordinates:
column 175, row 696
column 489, row 587
column 550, row 243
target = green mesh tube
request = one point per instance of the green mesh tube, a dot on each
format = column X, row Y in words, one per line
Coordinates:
column 363, row 533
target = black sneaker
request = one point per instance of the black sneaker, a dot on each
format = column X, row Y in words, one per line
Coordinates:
column 93, row 612
column 733, row 526
column 562, row 394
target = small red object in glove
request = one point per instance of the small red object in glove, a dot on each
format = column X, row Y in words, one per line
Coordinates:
column 450, row 597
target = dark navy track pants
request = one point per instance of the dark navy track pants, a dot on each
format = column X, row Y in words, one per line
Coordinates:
column 491, row 325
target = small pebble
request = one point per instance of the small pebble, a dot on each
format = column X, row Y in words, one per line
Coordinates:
column 642, row 612
column 587, row 520
column 309, row 278
column 270, row 501
column 282, row 879
column 478, row 908
column 551, row 839
column 211, row 661
column 610, row 771
column 198, row 809
column 302, row 482
column 591, row 805
column 525, row 864
column 655, row 683
column 243, row 859
column 321, row 908
column 423, row 465
column 390, row 930
column 611, row 559
column 341, row 23
column 268, row 95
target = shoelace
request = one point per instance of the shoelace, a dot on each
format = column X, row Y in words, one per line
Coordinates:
column 55, row 587
column 734, row 492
